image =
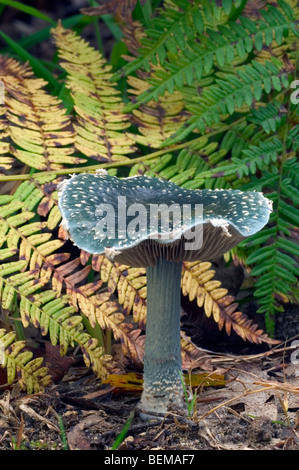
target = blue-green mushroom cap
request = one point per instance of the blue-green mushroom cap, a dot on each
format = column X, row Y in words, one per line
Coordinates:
column 136, row 220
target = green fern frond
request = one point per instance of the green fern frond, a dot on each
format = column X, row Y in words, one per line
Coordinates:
column 231, row 93
column 168, row 32
column 101, row 122
column 188, row 168
column 35, row 121
column 253, row 158
column 20, row 365
column 274, row 253
column 293, row 142
column 197, row 59
column 269, row 117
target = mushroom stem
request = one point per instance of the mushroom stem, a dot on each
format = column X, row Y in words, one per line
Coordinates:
column 162, row 359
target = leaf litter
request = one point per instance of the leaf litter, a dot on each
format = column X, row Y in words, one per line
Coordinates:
column 255, row 407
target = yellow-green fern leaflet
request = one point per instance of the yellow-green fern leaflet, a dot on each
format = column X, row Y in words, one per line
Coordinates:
column 101, row 123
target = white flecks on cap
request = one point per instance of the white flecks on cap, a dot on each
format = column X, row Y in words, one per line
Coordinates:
column 64, row 224
column 61, row 186
column 111, row 253
column 221, row 223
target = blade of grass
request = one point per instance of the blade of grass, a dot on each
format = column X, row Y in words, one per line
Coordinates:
column 145, row 12
column 95, row 21
column 62, row 432
column 113, row 26
column 27, row 9
column 123, row 432
column 190, row 403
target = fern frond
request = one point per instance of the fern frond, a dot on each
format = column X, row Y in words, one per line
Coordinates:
column 39, row 265
column 38, row 256
column 293, row 142
column 52, row 315
column 122, row 9
column 20, row 365
column 129, row 284
column 156, row 121
column 5, row 161
column 252, row 159
column 273, row 251
column 189, row 168
column 269, row 117
column 133, row 32
column 31, row 246
column 197, row 58
column 198, row 283
column 36, row 122
column 179, row 19
column 231, row 92
column 101, row 122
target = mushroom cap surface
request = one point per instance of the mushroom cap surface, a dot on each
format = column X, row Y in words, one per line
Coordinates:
column 99, row 212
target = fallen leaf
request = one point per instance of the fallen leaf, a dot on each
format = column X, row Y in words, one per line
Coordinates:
column 133, row 382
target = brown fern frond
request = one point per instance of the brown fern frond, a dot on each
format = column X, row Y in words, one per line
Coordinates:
column 5, row 161
column 198, row 283
column 121, row 9
column 101, row 123
column 129, row 284
column 37, row 124
column 192, row 356
column 230, row 318
column 156, row 120
column 40, row 267
column 253, row 7
column 132, row 31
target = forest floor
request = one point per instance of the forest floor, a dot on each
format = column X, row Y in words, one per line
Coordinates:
column 256, row 408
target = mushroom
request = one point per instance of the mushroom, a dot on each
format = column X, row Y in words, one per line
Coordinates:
column 172, row 225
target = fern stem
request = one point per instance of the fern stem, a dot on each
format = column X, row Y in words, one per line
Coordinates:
column 162, row 359
column 108, row 341
column 126, row 162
